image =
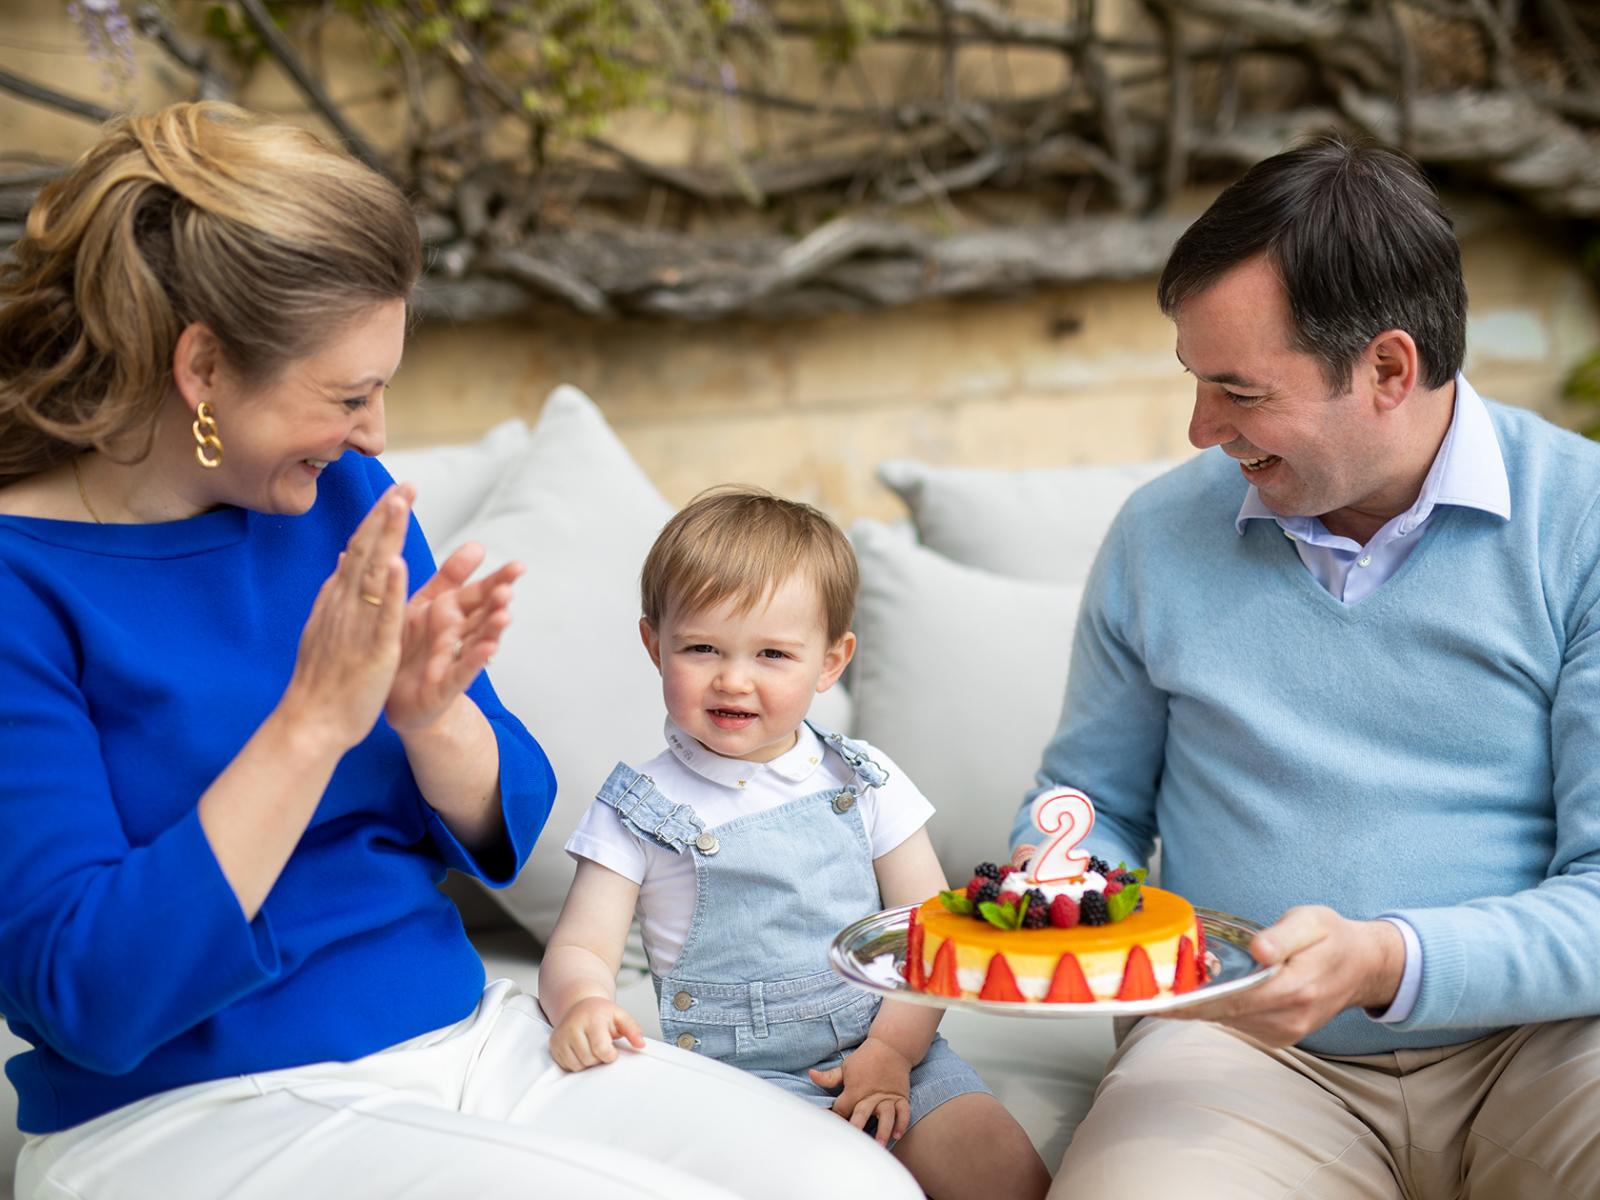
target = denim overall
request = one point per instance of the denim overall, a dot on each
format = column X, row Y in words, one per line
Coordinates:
column 752, row 986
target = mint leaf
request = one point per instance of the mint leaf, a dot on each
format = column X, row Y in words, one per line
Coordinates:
column 1124, row 902
column 957, row 903
column 1002, row 916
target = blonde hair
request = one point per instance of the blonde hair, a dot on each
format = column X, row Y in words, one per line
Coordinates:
column 195, row 213
column 743, row 543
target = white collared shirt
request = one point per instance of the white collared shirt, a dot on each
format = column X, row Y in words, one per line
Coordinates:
column 720, row 789
column 1468, row 471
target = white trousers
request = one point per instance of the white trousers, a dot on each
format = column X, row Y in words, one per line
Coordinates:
column 479, row 1111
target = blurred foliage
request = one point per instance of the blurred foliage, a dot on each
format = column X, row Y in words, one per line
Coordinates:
column 1581, row 388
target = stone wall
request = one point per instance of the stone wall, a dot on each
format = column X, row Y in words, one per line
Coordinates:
column 809, row 407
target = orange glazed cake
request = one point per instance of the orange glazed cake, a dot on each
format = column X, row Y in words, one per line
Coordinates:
column 1100, row 935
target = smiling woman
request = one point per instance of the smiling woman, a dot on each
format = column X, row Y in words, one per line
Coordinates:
column 245, row 728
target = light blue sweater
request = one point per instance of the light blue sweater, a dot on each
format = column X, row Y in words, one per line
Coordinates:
column 1432, row 752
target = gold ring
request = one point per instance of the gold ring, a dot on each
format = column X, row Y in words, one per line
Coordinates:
column 371, row 599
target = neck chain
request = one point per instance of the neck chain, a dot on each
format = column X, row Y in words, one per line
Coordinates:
column 83, row 495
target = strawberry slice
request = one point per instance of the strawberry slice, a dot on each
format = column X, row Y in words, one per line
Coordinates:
column 1187, row 976
column 1138, row 980
column 1200, row 947
column 916, row 971
column 1000, row 983
column 1067, row 985
column 943, row 981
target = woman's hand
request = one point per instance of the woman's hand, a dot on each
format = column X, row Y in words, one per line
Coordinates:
column 350, row 646
column 587, row 1035
column 877, row 1083
column 451, row 630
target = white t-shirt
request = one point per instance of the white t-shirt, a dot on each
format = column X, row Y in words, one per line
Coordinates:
column 720, row 789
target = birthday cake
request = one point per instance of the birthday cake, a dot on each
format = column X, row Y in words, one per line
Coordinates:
column 1063, row 928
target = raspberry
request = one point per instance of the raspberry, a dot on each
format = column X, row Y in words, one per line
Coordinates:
column 1038, row 914
column 987, row 870
column 1092, row 909
column 974, row 885
column 1099, row 865
column 1005, row 869
column 1063, row 912
column 1012, row 897
column 1113, row 886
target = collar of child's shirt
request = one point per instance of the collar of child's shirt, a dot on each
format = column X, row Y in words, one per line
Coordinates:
column 794, row 765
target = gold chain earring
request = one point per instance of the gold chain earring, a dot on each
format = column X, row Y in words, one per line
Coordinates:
column 207, row 445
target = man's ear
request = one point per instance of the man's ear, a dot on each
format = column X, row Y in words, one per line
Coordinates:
column 651, row 639
column 1395, row 368
column 197, row 365
column 836, row 660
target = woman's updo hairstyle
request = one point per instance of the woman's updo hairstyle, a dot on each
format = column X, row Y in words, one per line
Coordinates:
column 196, row 213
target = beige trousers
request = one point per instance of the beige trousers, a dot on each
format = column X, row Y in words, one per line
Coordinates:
column 1199, row 1111
column 478, row 1111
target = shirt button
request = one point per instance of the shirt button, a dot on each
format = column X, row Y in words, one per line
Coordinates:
column 681, row 1002
column 707, row 842
column 843, row 802
column 1364, row 561
column 687, row 1041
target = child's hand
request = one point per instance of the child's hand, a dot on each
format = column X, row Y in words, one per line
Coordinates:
column 587, row 1035
column 877, row 1083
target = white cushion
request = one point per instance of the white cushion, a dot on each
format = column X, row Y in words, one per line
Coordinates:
column 454, row 481
column 580, row 513
column 958, row 676
column 1044, row 524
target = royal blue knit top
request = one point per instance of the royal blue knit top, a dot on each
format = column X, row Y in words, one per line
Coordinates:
column 135, row 662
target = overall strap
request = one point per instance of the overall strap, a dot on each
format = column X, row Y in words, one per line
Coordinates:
column 869, row 774
column 646, row 812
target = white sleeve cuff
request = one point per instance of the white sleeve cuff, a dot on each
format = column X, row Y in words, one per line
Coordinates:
column 1405, row 999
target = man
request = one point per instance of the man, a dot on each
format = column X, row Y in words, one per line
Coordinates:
column 1348, row 670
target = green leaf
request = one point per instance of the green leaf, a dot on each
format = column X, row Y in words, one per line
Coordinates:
column 1124, row 902
column 957, row 903
column 1003, row 916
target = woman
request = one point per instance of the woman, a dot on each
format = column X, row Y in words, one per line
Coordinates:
column 235, row 758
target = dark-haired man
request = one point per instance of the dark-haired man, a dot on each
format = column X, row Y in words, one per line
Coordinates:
column 1348, row 670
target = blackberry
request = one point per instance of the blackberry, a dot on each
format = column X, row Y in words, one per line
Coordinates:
column 1038, row 914
column 987, row 870
column 988, row 892
column 1100, row 865
column 1092, row 910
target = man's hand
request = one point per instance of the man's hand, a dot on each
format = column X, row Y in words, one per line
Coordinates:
column 877, row 1083
column 1328, row 964
column 587, row 1035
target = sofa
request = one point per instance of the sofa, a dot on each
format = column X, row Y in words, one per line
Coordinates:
column 968, row 601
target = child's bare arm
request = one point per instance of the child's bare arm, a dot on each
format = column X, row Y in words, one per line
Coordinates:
column 877, row 1074
column 577, row 977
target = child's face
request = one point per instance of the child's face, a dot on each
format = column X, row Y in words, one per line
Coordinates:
column 741, row 683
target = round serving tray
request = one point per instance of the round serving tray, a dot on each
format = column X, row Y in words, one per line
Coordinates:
column 870, row 952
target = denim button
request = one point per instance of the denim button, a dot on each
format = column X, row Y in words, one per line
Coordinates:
column 844, row 802
column 707, row 842
column 687, row 1041
column 681, row 1002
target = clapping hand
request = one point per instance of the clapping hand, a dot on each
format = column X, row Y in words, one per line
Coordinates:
column 451, row 630
column 877, row 1083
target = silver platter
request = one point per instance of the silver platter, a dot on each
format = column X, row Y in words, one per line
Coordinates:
column 870, row 952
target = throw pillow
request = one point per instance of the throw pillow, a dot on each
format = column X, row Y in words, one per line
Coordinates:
column 581, row 514
column 1042, row 524
column 958, row 678
column 454, row 481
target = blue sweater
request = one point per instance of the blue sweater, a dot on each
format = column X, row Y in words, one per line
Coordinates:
column 135, row 661
column 1431, row 752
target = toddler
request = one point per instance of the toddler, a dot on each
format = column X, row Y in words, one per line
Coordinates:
column 752, row 839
